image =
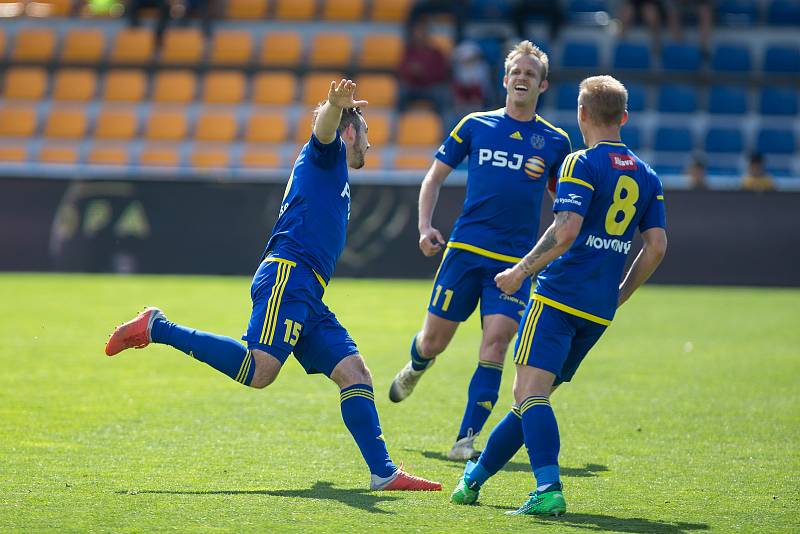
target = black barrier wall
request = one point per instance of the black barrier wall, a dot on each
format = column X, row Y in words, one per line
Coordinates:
column 715, row 237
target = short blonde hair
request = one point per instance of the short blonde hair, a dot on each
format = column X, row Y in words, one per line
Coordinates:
column 527, row 48
column 604, row 98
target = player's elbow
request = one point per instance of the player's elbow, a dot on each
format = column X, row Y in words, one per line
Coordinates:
column 657, row 244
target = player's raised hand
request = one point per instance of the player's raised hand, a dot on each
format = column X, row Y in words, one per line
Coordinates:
column 430, row 241
column 342, row 95
column 510, row 280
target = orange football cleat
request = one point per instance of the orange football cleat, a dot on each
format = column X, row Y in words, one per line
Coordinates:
column 133, row 334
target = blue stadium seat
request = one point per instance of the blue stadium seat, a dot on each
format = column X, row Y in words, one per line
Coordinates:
column 632, row 137
column 575, row 136
column 637, row 97
column 489, row 9
column 720, row 169
column 778, row 101
column 580, row 54
column 727, row 100
column 567, row 96
column 731, row 58
column 677, row 99
column 780, row 58
column 681, row 56
column 774, row 141
column 492, row 49
column 584, row 6
column 673, row 139
column 783, row 13
column 737, row 12
column 725, row 140
column 631, row 56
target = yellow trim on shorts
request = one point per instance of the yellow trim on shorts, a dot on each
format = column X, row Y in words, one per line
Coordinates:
column 483, row 252
column 274, row 302
column 281, row 260
column 570, row 310
column 528, row 331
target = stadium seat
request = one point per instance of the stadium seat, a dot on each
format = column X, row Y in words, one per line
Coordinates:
column 778, row 101
column 380, row 51
column 737, row 12
column 330, row 49
column 724, row 140
column 25, row 83
column 343, row 9
column 783, row 13
column 673, row 139
column 681, row 57
column 231, row 47
column 281, row 49
column 782, row 59
column 414, row 160
column 124, row 85
column 731, row 58
column 380, row 90
column 637, row 97
column 182, row 46
column 580, row 54
column 34, row 45
column 2, row 44
column 633, row 56
column 216, row 125
column 17, row 120
column 176, row 86
column 677, row 99
column 116, row 122
column 223, row 87
column 66, row 122
column 75, row 84
column 83, row 45
column 260, row 157
column 278, row 88
column 374, row 160
column 210, row 156
column 160, row 155
column 133, row 46
column 50, row 8
column 302, row 128
column 59, row 153
column 316, row 86
column 108, row 154
column 379, row 124
column 13, row 152
column 268, row 127
column 727, row 100
column 166, row 124
column 246, row 9
column 390, row 10
column 775, row 141
column 632, row 137
column 567, row 96
column 419, row 128
column 295, row 9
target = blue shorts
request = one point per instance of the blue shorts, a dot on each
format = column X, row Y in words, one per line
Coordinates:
column 289, row 317
column 554, row 340
column 464, row 278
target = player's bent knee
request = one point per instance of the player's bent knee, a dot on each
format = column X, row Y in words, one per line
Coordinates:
column 431, row 345
column 267, row 369
column 351, row 370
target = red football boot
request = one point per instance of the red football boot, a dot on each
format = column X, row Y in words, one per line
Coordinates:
column 402, row 481
column 135, row 333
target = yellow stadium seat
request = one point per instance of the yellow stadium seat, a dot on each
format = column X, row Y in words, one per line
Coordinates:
column 182, row 46
column 379, row 124
column 295, row 9
column 216, row 125
column 374, row 159
column 62, row 153
column 175, row 86
column 331, row 49
column 133, row 46
column 316, row 86
column 108, row 154
column 118, row 122
column 380, row 90
column 166, row 124
column 13, row 153
column 77, row 85
column 25, row 83
column 160, row 155
column 390, row 10
column 380, row 51
column 210, row 156
column 66, row 122
column 124, row 85
column 302, row 129
column 2, row 43
column 277, row 88
column 223, row 87
column 260, row 157
column 231, row 47
column 281, row 49
column 246, row 9
column 414, row 159
column 419, row 128
column 34, row 45
column 266, row 127
column 83, row 46
column 49, row 8
column 17, row 120
column 343, row 10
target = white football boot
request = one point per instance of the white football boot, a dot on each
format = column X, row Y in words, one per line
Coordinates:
column 405, row 381
column 464, row 449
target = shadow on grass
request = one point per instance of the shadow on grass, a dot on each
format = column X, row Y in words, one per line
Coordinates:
column 357, row 498
column 588, row 470
column 608, row 523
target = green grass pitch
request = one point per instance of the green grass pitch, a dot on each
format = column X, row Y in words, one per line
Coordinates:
column 685, row 417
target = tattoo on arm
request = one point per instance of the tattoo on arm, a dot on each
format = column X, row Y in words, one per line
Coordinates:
column 545, row 244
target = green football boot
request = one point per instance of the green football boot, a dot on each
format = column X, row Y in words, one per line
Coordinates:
column 549, row 502
column 463, row 494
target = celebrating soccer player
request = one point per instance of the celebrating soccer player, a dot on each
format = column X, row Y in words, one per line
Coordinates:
column 603, row 195
column 513, row 152
column 288, row 314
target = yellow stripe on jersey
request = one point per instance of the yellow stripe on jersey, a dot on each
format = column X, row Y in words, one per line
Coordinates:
column 526, row 339
column 612, row 143
column 659, row 197
column 574, row 160
column 556, row 128
column 320, row 279
column 280, row 260
column 454, row 133
column 274, row 302
column 483, row 252
column 576, row 181
column 572, row 311
column 567, row 161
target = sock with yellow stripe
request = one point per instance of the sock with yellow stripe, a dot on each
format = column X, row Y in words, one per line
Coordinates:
column 224, row 354
column 540, row 429
column 504, row 442
column 481, row 397
column 361, row 419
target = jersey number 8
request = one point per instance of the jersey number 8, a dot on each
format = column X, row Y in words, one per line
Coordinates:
column 623, row 207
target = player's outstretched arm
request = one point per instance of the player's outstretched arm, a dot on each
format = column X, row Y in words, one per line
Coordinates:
column 653, row 249
column 340, row 96
column 430, row 239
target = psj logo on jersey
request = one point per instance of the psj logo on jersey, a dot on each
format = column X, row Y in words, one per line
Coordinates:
column 602, row 243
column 500, row 158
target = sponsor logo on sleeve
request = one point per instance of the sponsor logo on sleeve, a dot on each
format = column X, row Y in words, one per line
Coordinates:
column 571, row 198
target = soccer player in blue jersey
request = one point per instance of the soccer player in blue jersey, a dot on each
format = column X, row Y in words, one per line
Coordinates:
column 603, row 195
column 288, row 314
column 513, row 153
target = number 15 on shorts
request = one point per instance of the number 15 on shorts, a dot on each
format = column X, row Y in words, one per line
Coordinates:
column 448, row 296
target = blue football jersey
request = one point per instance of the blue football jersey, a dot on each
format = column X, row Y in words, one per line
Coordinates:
column 312, row 223
column 616, row 193
column 510, row 162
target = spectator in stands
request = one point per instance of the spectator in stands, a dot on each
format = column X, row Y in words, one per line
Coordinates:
column 522, row 11
column 456, row 9
column 756, row 178
column 696, row 172
column 701, row 10
column 424, row 71
column 168, row 9
column 652, row 12
column 472, row 79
